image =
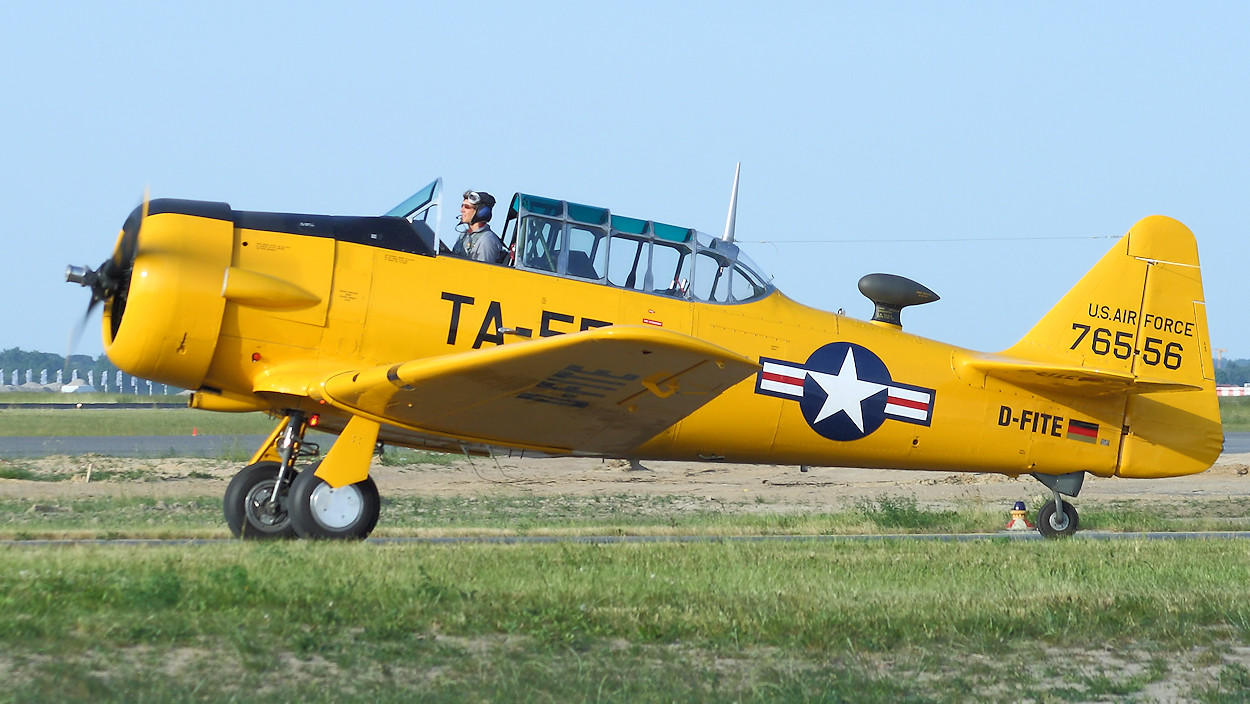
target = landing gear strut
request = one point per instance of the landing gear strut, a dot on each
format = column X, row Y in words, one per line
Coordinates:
column 1058, row 518
column 256, row 500
column 269, row 499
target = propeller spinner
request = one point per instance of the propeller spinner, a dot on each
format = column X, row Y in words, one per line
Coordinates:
column 111, row 281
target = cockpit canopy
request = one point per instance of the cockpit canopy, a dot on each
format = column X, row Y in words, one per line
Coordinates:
column 587, row 242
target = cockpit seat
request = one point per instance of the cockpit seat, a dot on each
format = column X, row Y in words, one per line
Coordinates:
column 581, row 266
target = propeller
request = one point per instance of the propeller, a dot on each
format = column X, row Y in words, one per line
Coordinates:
column 111, row 281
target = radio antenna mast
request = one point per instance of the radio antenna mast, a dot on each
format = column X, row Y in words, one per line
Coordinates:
column 731, row 220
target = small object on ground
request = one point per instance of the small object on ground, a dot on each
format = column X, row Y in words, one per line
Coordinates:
column 1018, row 520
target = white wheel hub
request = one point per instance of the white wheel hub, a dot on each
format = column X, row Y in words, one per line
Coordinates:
column 336, row 508
column 1059, row 520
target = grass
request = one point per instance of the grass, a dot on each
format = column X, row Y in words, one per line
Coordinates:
column 888, row 620
column 407, row 457
column 1235, row 413
column 22, row 422
column 199, row 516
column 895, row 621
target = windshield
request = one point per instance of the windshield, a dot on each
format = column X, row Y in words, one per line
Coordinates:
column 423, row 211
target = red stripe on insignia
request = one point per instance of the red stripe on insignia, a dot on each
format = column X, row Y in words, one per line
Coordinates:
column 1074, row 429
column 782, row 379
column 909, row 403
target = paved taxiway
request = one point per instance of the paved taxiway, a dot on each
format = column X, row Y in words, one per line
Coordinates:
column 144, row 445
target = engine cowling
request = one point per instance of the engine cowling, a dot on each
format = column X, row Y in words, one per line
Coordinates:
column 164, row 324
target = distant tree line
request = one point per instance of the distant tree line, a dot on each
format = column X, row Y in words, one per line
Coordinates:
column 21, row 360
column 1233, row 372
column 18, row 360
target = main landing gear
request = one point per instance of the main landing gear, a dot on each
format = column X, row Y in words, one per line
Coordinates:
column 268, row 499
column 1058, row 518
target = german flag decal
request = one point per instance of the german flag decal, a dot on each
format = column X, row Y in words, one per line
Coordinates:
column 1080, row 430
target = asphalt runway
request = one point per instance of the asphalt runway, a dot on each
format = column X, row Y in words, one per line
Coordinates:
column 216, row 445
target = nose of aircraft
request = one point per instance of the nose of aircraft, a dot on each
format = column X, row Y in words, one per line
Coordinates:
column 83, row 275
column 110, row 281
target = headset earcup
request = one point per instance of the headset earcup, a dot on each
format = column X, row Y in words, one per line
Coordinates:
column 483, row 214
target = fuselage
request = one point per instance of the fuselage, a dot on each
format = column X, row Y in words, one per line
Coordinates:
column 376, row 306
column 254, row 318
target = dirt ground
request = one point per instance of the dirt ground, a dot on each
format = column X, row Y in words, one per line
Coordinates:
column 757, row 484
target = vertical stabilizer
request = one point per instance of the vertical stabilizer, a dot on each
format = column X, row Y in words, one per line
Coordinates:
column 1140, row 313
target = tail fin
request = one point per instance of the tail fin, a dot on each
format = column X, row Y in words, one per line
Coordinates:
column 1134, row 325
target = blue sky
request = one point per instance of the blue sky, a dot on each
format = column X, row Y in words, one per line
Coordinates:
column 990, row 151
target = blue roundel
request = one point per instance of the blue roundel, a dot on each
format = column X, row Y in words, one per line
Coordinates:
column 845, row 391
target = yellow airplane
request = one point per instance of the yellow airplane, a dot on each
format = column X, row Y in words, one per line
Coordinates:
column 611, row 336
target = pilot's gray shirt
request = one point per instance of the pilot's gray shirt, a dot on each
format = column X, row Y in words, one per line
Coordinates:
column 483, row 246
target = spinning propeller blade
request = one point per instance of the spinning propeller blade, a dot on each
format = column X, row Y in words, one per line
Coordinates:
column 111, row 281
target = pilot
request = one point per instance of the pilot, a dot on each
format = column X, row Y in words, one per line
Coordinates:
column 478, row 241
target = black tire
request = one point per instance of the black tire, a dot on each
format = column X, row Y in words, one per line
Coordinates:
column 321, row 513
column 247, row 501
column 1053, row 525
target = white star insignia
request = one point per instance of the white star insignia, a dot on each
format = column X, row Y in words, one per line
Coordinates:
column 846, row 391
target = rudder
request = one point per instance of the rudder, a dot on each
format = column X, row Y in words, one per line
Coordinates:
column 1177, row 433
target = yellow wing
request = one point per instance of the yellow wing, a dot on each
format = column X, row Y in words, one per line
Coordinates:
column 601, row 391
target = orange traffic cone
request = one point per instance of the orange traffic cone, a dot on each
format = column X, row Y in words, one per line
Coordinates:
column 194, row 431
column 1018, row 520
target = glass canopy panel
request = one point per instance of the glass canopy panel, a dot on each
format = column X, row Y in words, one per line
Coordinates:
column 588, row 251
column 589, row 242
column 588, row 214
column 423, row 211
column 541, row 239
column 746, row 284
column 628, row 262
column 671, row 233
column 670, row 269
column 711, row 278
column 416, row 201
column 633, row 226
column 543, row 206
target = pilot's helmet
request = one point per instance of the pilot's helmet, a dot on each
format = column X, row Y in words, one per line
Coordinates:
column 483, row 201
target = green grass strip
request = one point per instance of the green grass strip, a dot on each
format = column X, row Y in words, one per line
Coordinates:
column 803, row 620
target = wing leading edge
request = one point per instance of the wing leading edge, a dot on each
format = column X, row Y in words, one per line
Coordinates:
column 600, row 391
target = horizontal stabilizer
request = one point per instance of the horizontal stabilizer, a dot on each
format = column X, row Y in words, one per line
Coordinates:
column 1065, row 377
column 602, row 391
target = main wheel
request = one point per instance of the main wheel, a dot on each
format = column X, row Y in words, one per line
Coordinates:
column 249, row 508
column 1053, row 524
column 321, row 512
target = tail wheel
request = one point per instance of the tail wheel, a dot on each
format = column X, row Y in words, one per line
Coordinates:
column 249, row 508
column 319, row 511
column 1052, row 523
